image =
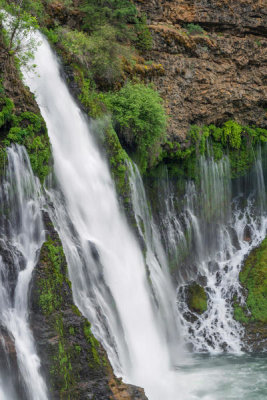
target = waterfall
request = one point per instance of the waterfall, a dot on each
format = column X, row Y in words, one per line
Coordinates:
column 156, row 264
column 106, row 266
column 21, row 238
column 124, row 289
column 217, row 231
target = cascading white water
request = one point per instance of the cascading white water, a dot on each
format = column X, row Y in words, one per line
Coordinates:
column 21, row 238
column 221, row 233
column 106, row 265
column 156, row 263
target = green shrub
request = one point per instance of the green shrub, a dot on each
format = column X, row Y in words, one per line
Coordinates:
column 27, row 130
column 140, row 120
column 18, row 29
column 90, row 98
column 115, row 12
column 51, row 35
column 231, row 133
column 122, row 15
column 100, row 53
column 7, row 109
column 143, row 39
column 194, row 29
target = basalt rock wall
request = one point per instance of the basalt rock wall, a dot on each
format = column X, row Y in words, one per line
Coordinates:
column 214, row 75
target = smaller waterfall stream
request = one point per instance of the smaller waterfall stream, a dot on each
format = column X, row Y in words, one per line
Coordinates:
column 221, row 232
column 21, row 238
column 157, row 266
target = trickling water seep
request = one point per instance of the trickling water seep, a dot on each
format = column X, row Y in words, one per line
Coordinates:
column 21, row 238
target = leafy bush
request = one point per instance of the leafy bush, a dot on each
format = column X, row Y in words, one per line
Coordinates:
column 25, row 130
column 140, row 120
column 17, row 29
column 194, row 29
column 51, row 35
column 122, row 15
column 6, row 112
column 143, row 39
column 232, row 134
column 100, row 53
column 115, row 12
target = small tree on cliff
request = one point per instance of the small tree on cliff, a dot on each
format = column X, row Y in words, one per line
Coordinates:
column 17, row 26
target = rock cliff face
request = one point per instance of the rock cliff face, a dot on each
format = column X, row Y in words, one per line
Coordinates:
column 214, row 75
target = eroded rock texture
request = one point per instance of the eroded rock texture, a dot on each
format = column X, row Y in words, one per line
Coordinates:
column 216, row 75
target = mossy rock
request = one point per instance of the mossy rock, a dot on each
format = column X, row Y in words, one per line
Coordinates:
column 197, row 298
column 253, row 278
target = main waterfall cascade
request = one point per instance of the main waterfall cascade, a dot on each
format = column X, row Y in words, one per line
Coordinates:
column 106, row 265
column 22, row 235
column 128, row 296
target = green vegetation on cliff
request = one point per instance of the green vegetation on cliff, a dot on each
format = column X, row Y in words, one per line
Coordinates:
column 197, row 298
column 118, row 160
column 253, row 277
column 103, row 51
column 240, row 142
column 140, row 121
column 28, row 129
column 20, row 119
column 122, row 15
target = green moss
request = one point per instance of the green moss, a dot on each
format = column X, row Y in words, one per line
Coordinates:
column 118, row 160
column 62, row 367
column 240, row 313
column 197, row 298
column 72, row 330
column 89, row 97
column 253, row 278
column 50, row 285
column 93, row 342
column 3, row 159
column 76, row 310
